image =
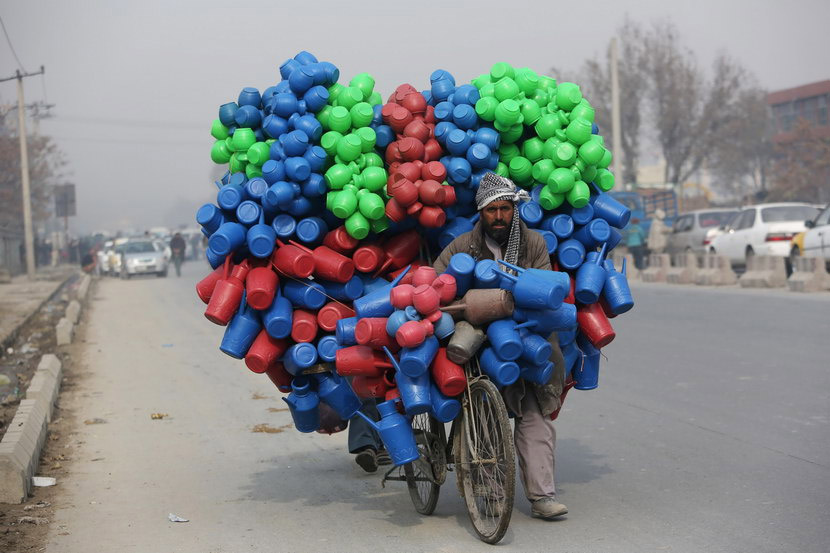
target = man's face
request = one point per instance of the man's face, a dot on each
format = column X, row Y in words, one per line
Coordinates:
column 497, row 217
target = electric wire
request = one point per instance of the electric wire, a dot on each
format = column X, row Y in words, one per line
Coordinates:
column 9, row 40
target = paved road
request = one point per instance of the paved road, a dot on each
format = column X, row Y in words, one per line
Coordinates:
column 710, row 432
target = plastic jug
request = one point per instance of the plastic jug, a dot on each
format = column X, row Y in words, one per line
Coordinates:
column 376, row 303
column 278, row 317
column 414, row 390
column 482, row 306
column 228, row 238
column 293, row 260
column 412, row 334
column 396, row 433
column 303, row 403
column 280, row 377
column 299, row 357
column 264, row 352
column 331, row 313
column 549, row 320
column 538, row 374
column 501, row 372
column 415, row 361
column 360, row 361
column 609, row 209
column 399, row 317
column 446, row 287
column 241, row 331
column 224, row 301
column 535, row 349
column 464, row 343
column 327, row 347
column 504, row 338
column 343, row 291
column 461, row 266
column 337, row 394
column 305, row 294
column 370, row 386
column 205, row 287
column 261, row 285
column 304, row 326
column 444, row 326
column 344, row 331
column 448, row 376
column 587, row 375
column 590, row 279
column 400, row 250
column 616, row 291
column 443, row 408
column 595, row 325
column 487, row 274
column 371, row 331
column 341, row 241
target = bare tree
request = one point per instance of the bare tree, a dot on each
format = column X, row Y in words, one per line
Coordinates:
column 801, row 170
column 596, row 80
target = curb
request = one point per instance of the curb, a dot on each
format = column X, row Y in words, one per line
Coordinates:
column 12, row 336
column 23, row 441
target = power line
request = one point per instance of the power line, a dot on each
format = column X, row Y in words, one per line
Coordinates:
column 9, row 40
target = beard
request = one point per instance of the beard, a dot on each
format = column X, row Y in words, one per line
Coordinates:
column 498, row 233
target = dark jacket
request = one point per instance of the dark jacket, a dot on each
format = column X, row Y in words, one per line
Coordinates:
column 533, row 253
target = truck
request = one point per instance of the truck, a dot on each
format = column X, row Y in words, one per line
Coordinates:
column 644, row 202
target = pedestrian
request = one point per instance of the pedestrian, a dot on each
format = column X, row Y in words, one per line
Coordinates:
column 635, row 242
column 501, row 235
column 364, row 442
column 177, row 247
column 657, row 232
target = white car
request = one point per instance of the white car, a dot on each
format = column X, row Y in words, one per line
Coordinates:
column 763, row 229
column 816, row 240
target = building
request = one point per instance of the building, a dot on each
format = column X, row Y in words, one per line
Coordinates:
column 810, row 102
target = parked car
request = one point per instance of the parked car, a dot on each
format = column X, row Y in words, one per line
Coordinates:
column 815, row 240
column 141, row 257
column 763, row 229
column 690, row 229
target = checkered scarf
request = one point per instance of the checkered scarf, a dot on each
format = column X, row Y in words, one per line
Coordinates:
column 495, row 188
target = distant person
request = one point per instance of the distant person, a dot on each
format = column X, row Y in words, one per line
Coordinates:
column 635, row 242
column 656, row 240
column 195, row 240
column 177, row 247
column 88, row 261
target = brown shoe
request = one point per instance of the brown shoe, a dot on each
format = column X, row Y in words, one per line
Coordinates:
column 548, row 508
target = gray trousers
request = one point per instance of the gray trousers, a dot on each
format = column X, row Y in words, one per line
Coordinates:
column 360, row 433
column 535, row 439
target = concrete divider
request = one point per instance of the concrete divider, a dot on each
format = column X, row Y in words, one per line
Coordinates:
column 658, row 266
column 83, row 288
column 764, row 271
column 809, row 275
column 73, row 311
column 20, row 451
column 46, row 383
column 684, row 270
column 64, row 331
column 715, row 270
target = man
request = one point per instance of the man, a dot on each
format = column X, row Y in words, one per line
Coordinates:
column 500, row 234
column 364, row 442
column 657, row 232
column 177, row 246
column 634, row 241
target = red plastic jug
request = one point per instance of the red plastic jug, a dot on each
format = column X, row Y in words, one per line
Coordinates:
column 394, row 211
column 280, row 377
column 204, row 288
column 293, row 260
column 261, row 286
column 340, row 241
column 434, row 170
column 227, row 294
column 371, row 332
column 360, row 360
column 448, row 376
column 431, row 192
column 332, row 312
column 425, row 275
column 595, row 325
column 400, row 250
column 426, row 300
column 330, row 265
column 401, row 296
column 412, row 334
column 367, row 258
column 265, row 352
column 432, row 216
column 303, row 326
column 369, row 386
column 446, row 287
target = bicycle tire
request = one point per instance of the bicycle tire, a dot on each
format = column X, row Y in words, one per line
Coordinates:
column 486, row 446
column 425, row 475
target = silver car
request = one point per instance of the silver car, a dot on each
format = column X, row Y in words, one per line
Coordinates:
column 689, row 231
column 142, row 257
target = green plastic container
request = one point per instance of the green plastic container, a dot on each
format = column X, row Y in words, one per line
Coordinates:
column 579, row 195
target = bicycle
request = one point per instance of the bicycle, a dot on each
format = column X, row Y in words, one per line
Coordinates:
column 480, row 449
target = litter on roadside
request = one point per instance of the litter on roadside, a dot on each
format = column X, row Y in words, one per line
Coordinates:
column 158, row 416
column 43, row 481
column 96, row 420
column 33, row 520
column 176, row 518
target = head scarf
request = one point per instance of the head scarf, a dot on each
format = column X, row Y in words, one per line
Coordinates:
column 494, row 188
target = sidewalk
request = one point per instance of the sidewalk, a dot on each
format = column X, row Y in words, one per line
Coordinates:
column 21, row 299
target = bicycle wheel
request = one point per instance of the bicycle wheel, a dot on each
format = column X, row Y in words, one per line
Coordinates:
column 425, row 475
column 487, row 461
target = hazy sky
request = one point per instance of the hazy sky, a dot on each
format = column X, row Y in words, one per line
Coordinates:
column 137, row 84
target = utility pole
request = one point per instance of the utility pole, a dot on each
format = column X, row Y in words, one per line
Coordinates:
column 28, row 235
column 616, row 128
